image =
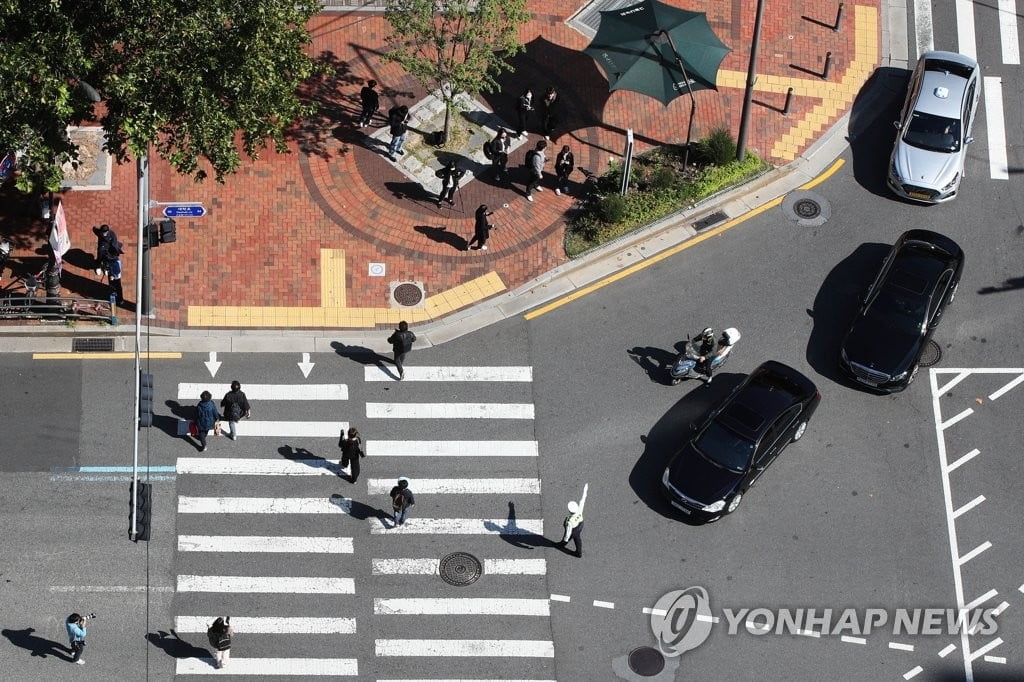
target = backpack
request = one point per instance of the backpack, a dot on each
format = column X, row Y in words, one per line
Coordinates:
column 221, row 641
column 528, row 158
column 397, row 499
column 234, row 411
column 489, row 151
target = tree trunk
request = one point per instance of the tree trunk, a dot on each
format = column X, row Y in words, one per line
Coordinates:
column 447, row 123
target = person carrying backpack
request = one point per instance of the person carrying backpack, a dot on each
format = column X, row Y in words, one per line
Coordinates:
column 401, row 499
column 401, row 341
column 219, row 634
column 207, row 419
column 235, row 406
column 351, row 452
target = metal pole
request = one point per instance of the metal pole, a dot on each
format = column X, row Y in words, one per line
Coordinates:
column 748, row 94
column 143, row 211
column 693, row 100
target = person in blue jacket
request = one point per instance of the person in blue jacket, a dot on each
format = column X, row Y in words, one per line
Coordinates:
column 207, row 417
column 76, row 636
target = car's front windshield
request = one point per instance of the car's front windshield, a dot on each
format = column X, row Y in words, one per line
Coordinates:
column 899, row 311
column 725, row 448
column 933, row 133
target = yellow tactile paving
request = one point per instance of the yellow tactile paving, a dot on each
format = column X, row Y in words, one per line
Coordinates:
column 332, row 278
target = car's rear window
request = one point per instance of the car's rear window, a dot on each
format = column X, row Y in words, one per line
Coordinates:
column 933, row 133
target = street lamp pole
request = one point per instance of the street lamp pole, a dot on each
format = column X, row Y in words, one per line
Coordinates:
column 748, row 94
column 143, row 215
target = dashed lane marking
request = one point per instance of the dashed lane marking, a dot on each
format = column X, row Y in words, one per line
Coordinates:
column 277, row 625
column 901, row 647
column 916, row 670
column 853, row 640
column 264, row 543
column 560, row 597
column 604, row 604
column 947, row 650
column 995, row 659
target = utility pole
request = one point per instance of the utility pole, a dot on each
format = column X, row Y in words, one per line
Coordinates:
column 748, row 94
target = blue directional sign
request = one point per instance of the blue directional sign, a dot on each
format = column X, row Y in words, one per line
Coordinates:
column 184, row 211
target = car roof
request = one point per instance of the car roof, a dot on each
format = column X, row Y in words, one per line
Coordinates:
column 767, row 393
column 944, row 83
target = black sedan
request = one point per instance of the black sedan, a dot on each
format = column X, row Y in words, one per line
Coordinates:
column 737, row 441
column 901, row 310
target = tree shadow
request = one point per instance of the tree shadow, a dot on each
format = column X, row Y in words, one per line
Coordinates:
column 20, row 219
column 443, row 236
column 323, row 91
column 835, row 306
column 174, row 646
column 37, row 646
column 655, row 361
column 667, row 436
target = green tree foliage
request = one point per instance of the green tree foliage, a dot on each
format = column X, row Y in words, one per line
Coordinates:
column 455, row 46
column 192, row 78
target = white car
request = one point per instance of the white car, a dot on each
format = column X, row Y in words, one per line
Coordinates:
column 927, row 162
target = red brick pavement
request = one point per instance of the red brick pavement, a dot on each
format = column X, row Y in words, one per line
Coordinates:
column 259, row 242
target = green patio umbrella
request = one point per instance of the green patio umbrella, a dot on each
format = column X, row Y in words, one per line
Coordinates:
column 657, row 50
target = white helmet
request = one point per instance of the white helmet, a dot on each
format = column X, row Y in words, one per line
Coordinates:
column 731, row 336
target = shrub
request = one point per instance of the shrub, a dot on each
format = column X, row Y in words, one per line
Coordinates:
column 612, row 208
column 717, row 149
column 662, row 178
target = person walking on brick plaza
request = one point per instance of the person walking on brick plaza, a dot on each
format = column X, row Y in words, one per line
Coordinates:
column 351, row 452
column 106, row 241
column 398, row 118
column 535, row 161
column 207, row 418
column 401, row 500
column 550, row 107
column 401, row 341
column 219, row 634
column 573, row 524
column 75, row 626
column 565, row 163
column 523, row 108
column 500, row 146
column 371, row 103
column 451, row 176
column 235, row 406
column 482, row 229
column 114, row 270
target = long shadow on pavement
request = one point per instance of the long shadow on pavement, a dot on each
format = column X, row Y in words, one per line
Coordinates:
column 667, row 436
column 174, row 646
column 655, row 361
column 38, row 646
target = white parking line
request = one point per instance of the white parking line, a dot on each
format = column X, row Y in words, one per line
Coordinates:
column 965, row 28
column 974, row 552
column 476, row 486
column 901, row 647
column 949, row 422
column 981, row 600
column 1008, row 387
column 268, row 391
column 1008, row 31
column 604, row 604
column 913, row 672
column 269, row 666
column 560, row 597
column 963, row 460
column 452, row 448
column 272, row 625
column 378, row 373
column 462, row 607
column 954, row 381
column 237, row 466
column 995, row 659
column 421, row 526
column 998, row 167
column 264, row 543
column 853, row 640
column 449, row 411
column 987, row 648
column 491, row 648
column 265, row 584
column 263, row 505
column 969, row 506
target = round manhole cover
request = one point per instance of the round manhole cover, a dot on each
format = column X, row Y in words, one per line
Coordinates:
column 408, row 294
column 931, row 354
column 807, row 209
column 460, row 568
column 646, row 661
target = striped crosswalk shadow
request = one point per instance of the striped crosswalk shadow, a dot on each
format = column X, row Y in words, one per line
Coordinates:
column 269, row 666
column 505, row 374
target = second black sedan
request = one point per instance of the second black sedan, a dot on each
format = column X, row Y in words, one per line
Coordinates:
column 901, row 310
column 737, row 441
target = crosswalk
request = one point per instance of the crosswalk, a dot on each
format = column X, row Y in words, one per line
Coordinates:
column 317, row 578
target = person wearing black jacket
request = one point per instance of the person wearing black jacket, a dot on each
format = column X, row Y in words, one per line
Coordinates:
column 482, row 229
column 401, row 341
column 370, row 101
column 236, row 406
column 451, row 176
column 500, row 146
column 523, row 108
column 565, row 163
column 549, row 110
column 106, row 243
column 351, row 452
column 398, row 117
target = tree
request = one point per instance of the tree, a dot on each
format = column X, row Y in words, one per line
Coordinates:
column 189, row 78
column 455, row 46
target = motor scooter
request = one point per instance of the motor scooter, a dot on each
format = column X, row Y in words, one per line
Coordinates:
column 685, row 364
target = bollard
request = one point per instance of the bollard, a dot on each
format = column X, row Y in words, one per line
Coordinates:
column 839, row 18
column 789, row 99
column 828, row 65
column 113, row 307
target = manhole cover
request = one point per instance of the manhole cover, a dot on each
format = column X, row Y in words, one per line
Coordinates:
column 408, row 294
column 460, row 568
column 646, row 661
column 931, row 354
column 807, row 209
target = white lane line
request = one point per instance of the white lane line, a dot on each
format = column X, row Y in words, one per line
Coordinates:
column 378, row 373
column 901, row 647
column 913, row 672
column 264, row 543
column 1008, row 387
column 954, row 381
column 449, row 411
column 237, row 466
column 963, row 460
column 476, row 486
column 998, row 167
column 953, row 420
column 419, row 526
column 999, row 609
column 705, row 619
column 1008, row 31
column 269, row 666
column 657, row 612
column 995, row 659
column 1021, row 589
column 430, row 566
column 452, row 448
column 492, row 648
column 462, row 607
column 981, row 600
column 853, row 640
column 809, row 633
column 974, row 552
column 923, row 26
column 265, row 584
column 277, row 625
column 947, row 651
column 604, row 604
column 965, row 28
column 987, row 648
column 263, row 505
column 110, row 588
column 187, row 391
column 969, row 506
column 559, row 597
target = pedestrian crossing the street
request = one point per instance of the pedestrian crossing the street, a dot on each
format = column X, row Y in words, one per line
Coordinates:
column 318, row 579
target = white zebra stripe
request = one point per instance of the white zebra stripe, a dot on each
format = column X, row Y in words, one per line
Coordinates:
column 265, row 584
column 449, row 410
column 189, row 391
column 237, row 466
column 378, row 373
column 476, row 486
column 269, row 666
column 452, row 448
column 252, row 428
column 264, row 543
column 419, row 526
column 277, row 625
column 497, row 648
column 430, row 566
column 462, row 607
column 263, row 505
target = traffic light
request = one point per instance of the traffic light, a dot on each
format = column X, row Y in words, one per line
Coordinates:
column 151, row 236
column 145, row 399
column 142, row 506
column 168, row 232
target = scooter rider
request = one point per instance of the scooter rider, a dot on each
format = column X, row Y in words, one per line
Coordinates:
column 729, row 337
column 706, row 348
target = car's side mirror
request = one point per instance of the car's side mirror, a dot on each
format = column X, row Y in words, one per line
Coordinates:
column 969, row 140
